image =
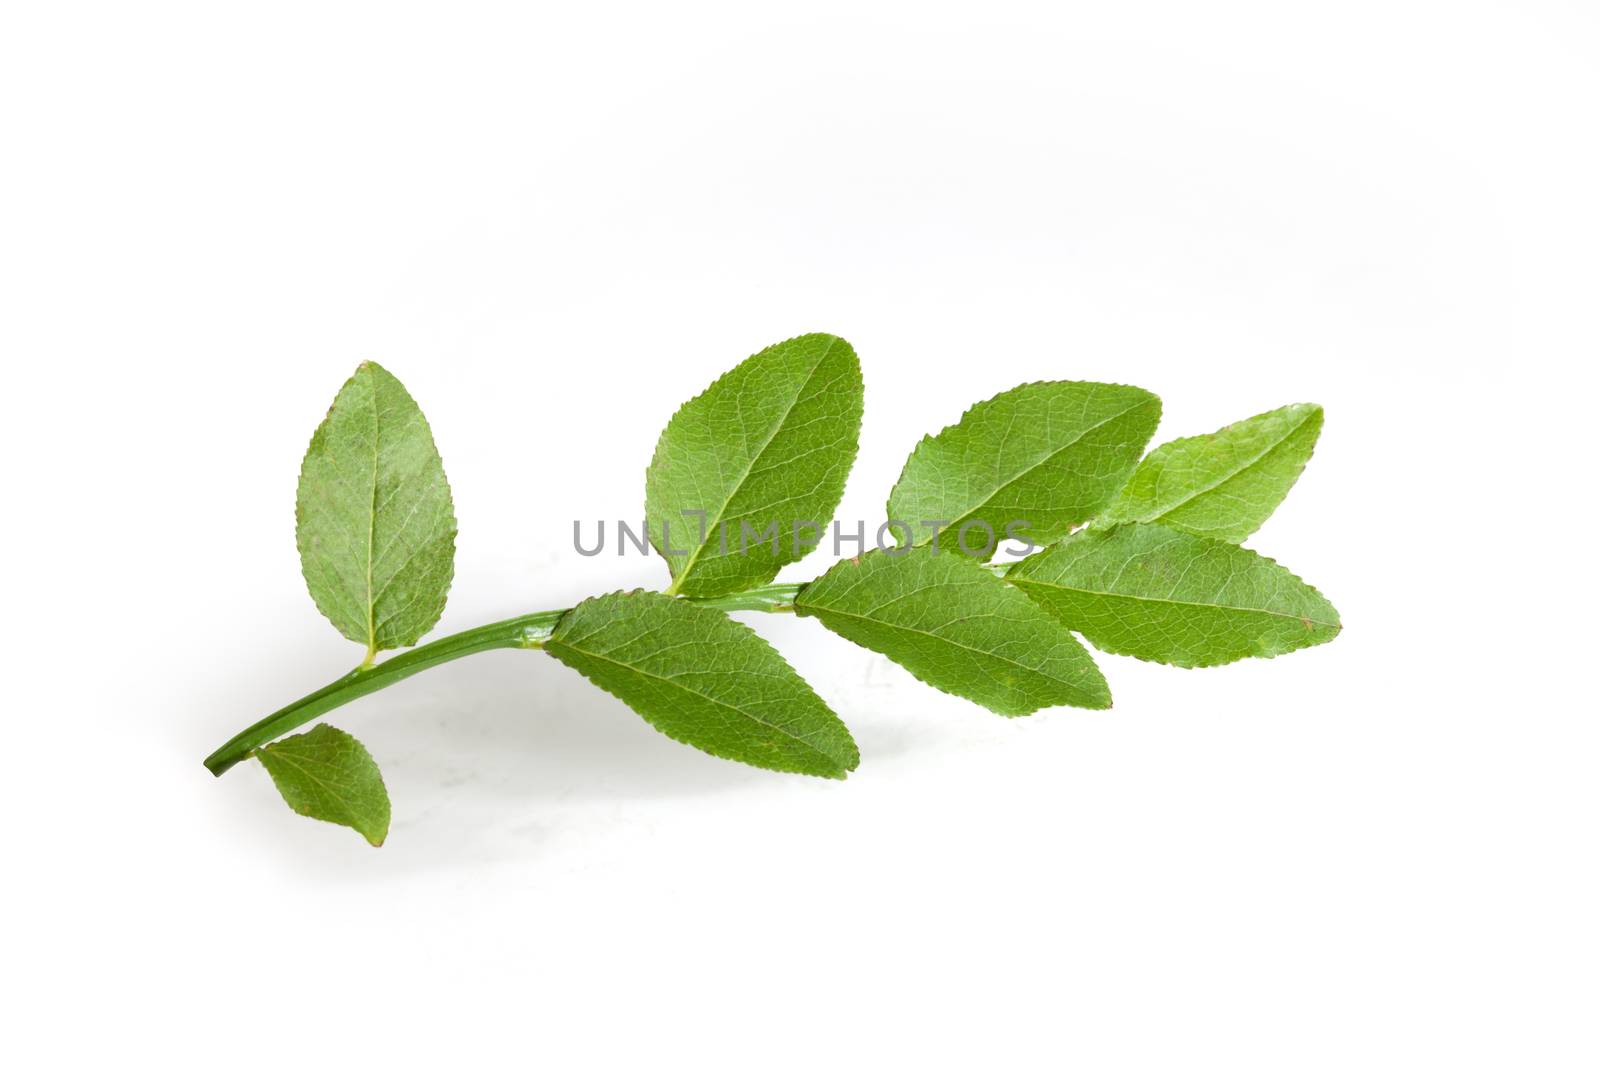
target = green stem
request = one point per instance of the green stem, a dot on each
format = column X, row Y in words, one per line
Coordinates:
column 524, row 631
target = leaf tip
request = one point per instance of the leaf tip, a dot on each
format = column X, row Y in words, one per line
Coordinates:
column 843, row 768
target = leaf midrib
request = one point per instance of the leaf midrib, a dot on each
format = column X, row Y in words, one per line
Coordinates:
column 1174, row 603
column 813, row 609
column 372, row 515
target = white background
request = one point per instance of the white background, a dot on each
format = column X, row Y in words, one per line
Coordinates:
column 555, row 225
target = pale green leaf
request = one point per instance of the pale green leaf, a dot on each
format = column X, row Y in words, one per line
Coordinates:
column 1050, row 454
column 701, row 678
column 326, row 774
column 373, row 517
column 1221, row 485
column 1161, row 594
column 742, row 467
column 957, row 626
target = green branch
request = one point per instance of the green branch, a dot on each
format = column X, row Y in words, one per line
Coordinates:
column 1143, row 558
column 523, row 631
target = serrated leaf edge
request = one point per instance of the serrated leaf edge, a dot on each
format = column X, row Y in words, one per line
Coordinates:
column 1338, row 625
column 1313, row 409
column 274, row 751
column 444, row 595
column 855, row 750
column 711, row 524
column 928, row 439
column 1094, row 668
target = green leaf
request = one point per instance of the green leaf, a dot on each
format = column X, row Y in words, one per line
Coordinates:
column 1160, row 594
column 326, row 774
column 373, row 517
column 1221, row 485
column 770, row 442
column 957, row 626
column 701, row 678
column 1051, row 454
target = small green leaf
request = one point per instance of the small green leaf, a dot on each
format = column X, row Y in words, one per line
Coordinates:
column 326, row 774
column 1221, row 485
column 958, row 627
column 1050, row 454
column 765, row 449
column 373, row 517
column 1160, row 594
column 701, row 678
